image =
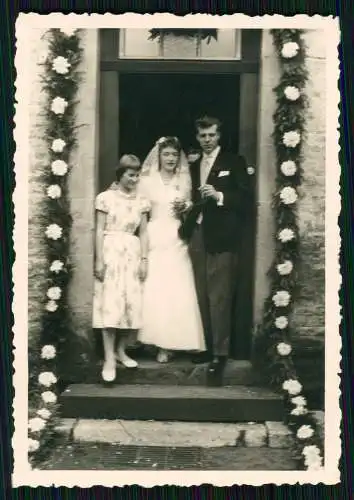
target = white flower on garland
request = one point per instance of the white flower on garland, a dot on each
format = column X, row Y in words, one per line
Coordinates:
column 68, row 31
column 61, row 65
column 313, row 459
column 59, row 167
column 286, row 235
column 291, row 139
column 54, row 293
column 281, row 322
column 59, row 105
column 292, row 386
column 288, row 195
column 58, row 145
column 299, row 401
column 305, row 432
column 47, row 379
column 290, row 50
column 292, row 93
column 288, row 168
column 48, row 352
column 281, row 298
column 314, row 464
column 51, row 306
column 54, row 191
column 284, row 349
column 49, row 397
column 56, row 266
column 33, row 445
column 53, row 232
column 298, row 411
column 44, row 413
column 285, row 268
column 36, row 424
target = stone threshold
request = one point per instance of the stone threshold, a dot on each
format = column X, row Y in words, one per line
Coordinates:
column 176, row 434
column 181, row 434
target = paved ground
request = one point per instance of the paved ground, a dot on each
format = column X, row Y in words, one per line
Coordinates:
column 105, row 456
column 151, row 445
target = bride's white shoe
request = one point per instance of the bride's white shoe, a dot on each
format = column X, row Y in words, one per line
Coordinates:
column 163, row 356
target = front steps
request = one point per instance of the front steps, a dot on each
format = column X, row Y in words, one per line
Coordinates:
column 161, row 402
column 175, row 391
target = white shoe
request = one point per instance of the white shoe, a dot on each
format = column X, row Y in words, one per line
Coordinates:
column 108, row 373
column 126, row 361
column 163, row 357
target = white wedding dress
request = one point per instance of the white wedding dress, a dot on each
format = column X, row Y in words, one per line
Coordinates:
column 171, row 317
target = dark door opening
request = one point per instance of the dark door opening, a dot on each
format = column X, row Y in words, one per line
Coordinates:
column 156, row 105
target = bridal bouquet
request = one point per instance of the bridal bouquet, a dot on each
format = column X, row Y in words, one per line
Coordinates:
column 179, row 207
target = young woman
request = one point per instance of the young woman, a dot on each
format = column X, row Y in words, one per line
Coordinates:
column 171, row 318
column 120, row 264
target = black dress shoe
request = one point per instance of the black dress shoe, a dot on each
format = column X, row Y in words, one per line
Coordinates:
column 204, row 357
column 215, row 372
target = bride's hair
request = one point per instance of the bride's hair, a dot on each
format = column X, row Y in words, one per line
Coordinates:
column 169, row 142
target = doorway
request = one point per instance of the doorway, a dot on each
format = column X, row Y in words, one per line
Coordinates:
column 137, row 108
column 156, row 105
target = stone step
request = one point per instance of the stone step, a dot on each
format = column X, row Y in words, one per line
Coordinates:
column 177, row 372
column 237, row 403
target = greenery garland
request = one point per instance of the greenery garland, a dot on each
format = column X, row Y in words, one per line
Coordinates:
column 61, row 80
column 275, row 330
column 207, row 34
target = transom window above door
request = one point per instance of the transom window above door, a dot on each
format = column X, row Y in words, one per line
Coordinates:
column 198, row 44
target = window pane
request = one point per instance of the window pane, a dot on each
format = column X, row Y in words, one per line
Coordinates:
column 177, row 47
column 222, row 48
column 135, row 43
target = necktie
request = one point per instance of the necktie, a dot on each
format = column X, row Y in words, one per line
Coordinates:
column 204, row 172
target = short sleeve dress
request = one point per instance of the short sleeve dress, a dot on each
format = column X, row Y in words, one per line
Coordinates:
column 117, row 301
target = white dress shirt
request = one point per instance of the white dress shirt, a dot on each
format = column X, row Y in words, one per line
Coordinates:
column 206, row 165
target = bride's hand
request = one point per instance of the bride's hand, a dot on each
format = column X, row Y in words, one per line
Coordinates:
column 143, row 269
column 180, row 207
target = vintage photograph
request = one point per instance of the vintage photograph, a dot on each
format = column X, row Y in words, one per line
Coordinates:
column 177, row 195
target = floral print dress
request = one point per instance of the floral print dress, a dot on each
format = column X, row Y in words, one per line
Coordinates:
column 117, row 301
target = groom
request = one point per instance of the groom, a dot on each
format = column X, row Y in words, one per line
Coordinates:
column 221, row 197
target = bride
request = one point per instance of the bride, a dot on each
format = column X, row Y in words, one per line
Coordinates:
column 171, row 317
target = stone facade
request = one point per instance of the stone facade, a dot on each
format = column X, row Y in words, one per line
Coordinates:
column 309, row 312
column 38, row 162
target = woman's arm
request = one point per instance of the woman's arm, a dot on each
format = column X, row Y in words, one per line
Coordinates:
column 99, row 235
column 144, row 245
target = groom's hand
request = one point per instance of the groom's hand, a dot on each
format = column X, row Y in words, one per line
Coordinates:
column 208, row 191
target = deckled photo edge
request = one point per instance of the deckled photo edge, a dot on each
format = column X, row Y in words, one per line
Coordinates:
column 23, row 475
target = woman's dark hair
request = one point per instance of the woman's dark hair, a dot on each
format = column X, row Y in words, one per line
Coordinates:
column 207, row 122
column 169, row 142
column 127, row 162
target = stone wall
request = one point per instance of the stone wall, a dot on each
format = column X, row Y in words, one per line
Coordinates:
column 37, row 163
column 309, row 313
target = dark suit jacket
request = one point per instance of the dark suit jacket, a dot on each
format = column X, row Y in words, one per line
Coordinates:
column 222, row 225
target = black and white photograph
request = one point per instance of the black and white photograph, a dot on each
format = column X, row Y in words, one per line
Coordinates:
column 176, row 279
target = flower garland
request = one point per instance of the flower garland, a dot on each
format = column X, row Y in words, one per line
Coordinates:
column 61, row 83
column 275, row 330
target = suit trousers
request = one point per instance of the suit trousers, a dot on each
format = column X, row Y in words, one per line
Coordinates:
column 215, row 278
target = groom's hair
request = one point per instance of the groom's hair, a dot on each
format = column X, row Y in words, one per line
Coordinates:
column 206, row 122
column 127, row 162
